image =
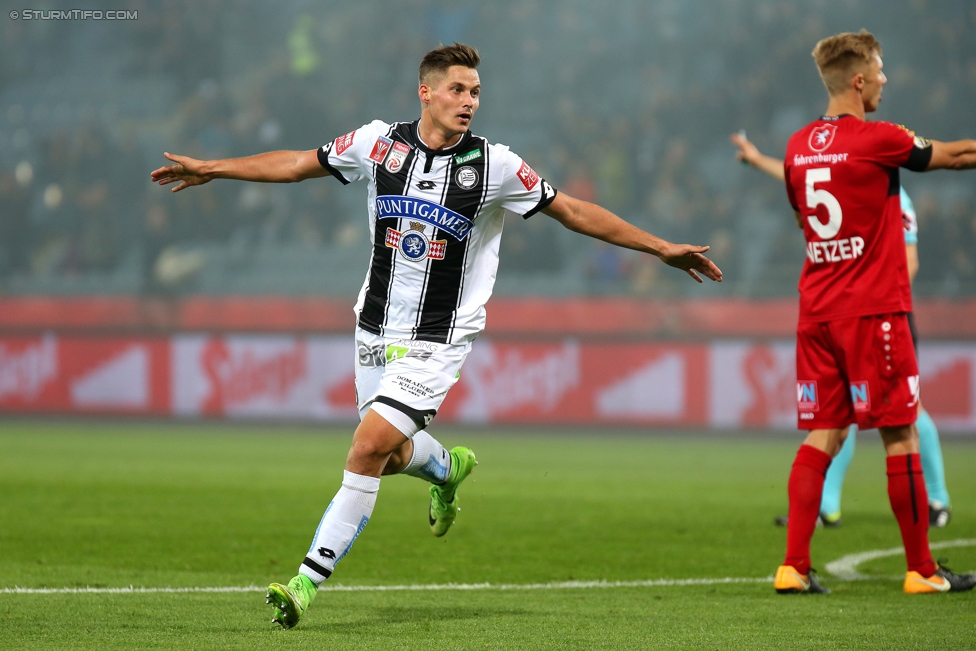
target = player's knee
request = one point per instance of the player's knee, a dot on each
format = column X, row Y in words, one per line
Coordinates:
column 364, row 448
column 399, row 458
column 828, row 440
column 898, row 434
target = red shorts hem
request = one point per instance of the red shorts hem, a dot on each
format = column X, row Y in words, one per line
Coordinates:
column 861, row 370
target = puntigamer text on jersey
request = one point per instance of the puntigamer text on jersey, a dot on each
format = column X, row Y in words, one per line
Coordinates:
column 396, row 206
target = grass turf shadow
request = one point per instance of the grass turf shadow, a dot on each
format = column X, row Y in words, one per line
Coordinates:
column 396, row 615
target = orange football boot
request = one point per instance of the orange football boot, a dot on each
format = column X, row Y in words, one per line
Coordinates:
column 944, row 580
column 789, row 581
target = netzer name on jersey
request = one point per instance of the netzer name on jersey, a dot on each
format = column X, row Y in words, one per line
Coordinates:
column 394, row 206
column 835, row 250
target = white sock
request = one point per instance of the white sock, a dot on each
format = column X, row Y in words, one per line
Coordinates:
column 430, row 461
column 343, row 521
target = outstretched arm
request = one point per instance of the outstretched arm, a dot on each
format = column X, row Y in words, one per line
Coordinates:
column 590, row 219
column 749, row 153
column 272, row 167
column 957, row 155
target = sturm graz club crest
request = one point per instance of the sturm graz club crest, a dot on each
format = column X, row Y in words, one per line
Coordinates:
column 414, row 245
column 466, row 177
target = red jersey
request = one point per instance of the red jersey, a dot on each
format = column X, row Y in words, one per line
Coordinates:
column 842, row 177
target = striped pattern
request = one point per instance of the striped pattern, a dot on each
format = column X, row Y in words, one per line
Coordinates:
column 410, row 293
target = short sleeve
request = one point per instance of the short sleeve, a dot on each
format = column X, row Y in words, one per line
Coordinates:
column 349, row 158
column 522, row 190
column 920, row 156
column 897, row 146
column 909, row 218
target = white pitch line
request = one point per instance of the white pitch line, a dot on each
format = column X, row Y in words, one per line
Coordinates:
column 843, row 568
column 555, row 585
column 560, row 585
column 846, row 566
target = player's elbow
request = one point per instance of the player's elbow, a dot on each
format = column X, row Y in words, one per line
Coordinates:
column 573, row 223
column 300, row 168
column 294, row 174
column 574, row 219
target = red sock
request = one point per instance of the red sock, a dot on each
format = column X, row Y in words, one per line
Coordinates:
column 910, row 502
column 806, row 490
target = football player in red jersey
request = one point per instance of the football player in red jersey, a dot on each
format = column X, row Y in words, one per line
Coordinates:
column 855, row 360
column 930, row 448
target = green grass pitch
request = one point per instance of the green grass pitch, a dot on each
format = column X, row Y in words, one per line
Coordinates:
column 108, row 505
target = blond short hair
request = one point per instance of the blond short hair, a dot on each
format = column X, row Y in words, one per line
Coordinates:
column 840, row 57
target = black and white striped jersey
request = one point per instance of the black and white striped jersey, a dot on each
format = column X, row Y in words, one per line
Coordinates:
column 435, row 223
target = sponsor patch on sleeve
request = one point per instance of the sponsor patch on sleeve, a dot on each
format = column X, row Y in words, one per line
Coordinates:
column 527, row 176
column 380, row 149
column 918, row 141
column 342, row 143
column 922, row 143
column 548, row 193
column 397, row 156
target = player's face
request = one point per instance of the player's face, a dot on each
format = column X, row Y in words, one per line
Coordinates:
column 453, row 98
column 874, row 81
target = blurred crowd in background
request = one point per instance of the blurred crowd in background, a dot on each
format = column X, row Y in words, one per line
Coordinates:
column 629, row 104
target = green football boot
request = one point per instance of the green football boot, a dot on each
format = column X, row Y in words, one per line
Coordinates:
column 290, row 601
column 443, row 498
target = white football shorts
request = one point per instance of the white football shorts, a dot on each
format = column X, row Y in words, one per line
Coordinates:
column 405, row 381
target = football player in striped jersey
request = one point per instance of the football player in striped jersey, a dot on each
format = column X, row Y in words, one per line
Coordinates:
column 437, row 199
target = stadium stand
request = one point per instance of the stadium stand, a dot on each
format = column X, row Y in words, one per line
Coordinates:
column 84, row 118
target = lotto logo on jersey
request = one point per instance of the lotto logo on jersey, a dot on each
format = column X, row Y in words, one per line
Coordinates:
column 860, row 397
column 822, row 136
column 380, row 149
column 547, row 191
column 806, row 396
column 527, row 176
column 397, row 155
column 342, row 143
